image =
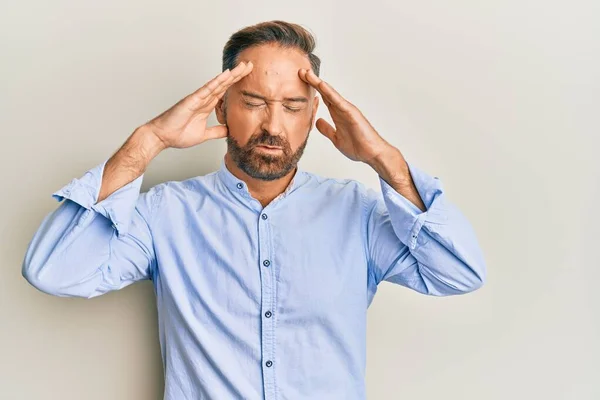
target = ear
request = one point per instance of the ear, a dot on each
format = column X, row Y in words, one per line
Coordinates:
column 219, row 110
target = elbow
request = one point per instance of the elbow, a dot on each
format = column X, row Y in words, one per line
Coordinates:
column 468, row 280
column 44, row 280
column 50, row 283
column 474, row 285
column 37, row 270
column 32, row 276
column 464, row 280
column 471, row 276
column 475, row 279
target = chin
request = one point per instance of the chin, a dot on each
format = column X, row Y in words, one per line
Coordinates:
column 267, row 168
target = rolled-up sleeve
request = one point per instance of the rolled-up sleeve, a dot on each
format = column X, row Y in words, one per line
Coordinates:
column 434, row 252
column 86, row 248
column 117, row 207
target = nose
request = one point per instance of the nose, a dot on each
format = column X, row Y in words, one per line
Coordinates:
column 273, row 121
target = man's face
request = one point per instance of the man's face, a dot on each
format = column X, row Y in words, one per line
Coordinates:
column 269, row 113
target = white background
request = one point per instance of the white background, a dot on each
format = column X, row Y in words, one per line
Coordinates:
column 499, row 99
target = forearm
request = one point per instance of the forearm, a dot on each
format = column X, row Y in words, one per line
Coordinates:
column 85, row 249
column 445, row 255
column 392, row 167
column 130, row 161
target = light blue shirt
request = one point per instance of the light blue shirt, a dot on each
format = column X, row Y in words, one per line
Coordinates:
column 256, row 303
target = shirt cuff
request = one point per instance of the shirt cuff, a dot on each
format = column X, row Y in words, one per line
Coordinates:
column 117, row 207
column 407, row 219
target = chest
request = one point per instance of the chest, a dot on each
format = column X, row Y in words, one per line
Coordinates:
column 305, row 264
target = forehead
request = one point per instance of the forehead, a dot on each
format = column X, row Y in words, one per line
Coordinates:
column 275, row 71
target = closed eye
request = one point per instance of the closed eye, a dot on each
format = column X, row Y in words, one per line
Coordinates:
column 253, row 104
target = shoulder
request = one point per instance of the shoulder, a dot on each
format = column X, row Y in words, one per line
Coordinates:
column 181, row 190
column 325, row 182
column 342, row 187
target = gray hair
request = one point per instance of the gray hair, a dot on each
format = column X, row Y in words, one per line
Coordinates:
column 286, row 34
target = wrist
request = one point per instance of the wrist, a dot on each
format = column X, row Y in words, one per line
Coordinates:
column 148, row 143
column 391, row 166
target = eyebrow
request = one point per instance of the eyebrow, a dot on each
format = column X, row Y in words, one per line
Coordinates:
column 301, row 99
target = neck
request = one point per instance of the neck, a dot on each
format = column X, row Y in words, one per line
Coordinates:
column 261, row 190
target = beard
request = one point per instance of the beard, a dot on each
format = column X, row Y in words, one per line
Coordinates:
column 263, row 166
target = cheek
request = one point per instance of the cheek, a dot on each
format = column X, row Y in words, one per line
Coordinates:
column 242, row 123
column 241, row 116
column 298, row 128
column 303, row 120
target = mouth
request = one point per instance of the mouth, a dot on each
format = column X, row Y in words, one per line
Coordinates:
column 269, row 149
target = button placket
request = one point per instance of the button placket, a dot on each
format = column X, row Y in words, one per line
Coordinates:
column 267, row 275
column 240, row 188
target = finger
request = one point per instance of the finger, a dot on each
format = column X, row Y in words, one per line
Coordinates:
column 222, row 88
column 211, row 85
column 242, row 69
column 223, row 78
column 330, row 95
column 236, row 76
column 216, row 132
column 244, row 72
column 197, row 100
column 326, row 129
column 238, row 73
column 217, row 85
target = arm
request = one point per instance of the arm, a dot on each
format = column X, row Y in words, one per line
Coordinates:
column 431, row 249
column 99, row 238
column 414, row 236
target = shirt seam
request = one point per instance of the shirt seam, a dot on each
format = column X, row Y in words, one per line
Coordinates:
column 365, row 234
column 155, row 198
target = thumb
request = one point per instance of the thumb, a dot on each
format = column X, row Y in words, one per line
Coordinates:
column 216, row 132
column 326, row 129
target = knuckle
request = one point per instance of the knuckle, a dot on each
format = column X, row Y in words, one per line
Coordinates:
column 193, row 102
column 345, row 106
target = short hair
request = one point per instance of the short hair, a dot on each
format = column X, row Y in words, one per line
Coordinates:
column 285, row 34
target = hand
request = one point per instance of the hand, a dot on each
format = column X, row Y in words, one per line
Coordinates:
column 184, row 124
column 353, row 135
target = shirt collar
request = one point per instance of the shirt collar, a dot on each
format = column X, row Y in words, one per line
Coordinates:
column 237, row 185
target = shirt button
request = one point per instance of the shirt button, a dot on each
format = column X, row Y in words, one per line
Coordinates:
column 268, row 314
column 266, row 263
column 269, row 363
column 264, row 216
column 240, row 185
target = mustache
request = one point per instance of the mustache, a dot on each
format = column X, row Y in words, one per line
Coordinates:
column 264, row 138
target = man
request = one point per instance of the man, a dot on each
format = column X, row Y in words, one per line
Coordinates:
column 263, row 272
